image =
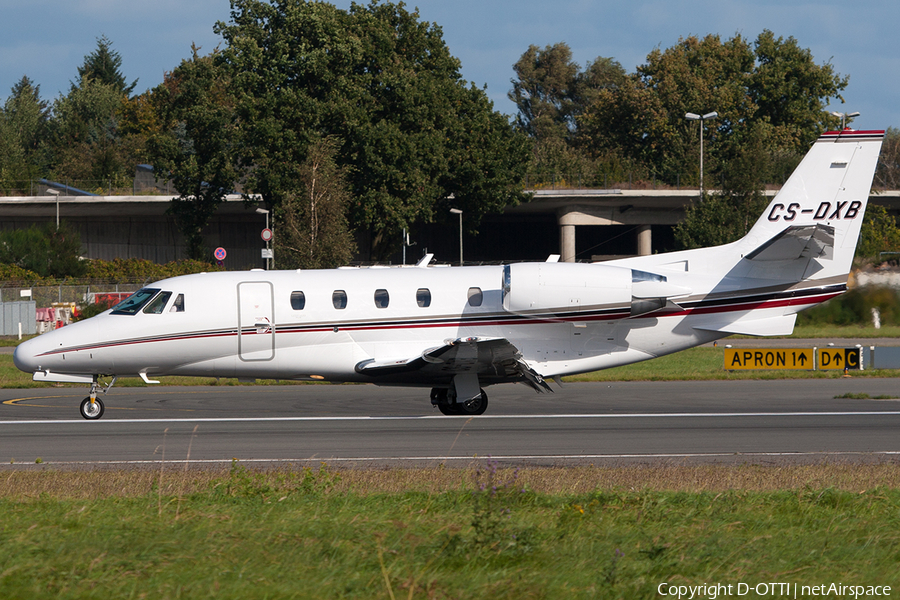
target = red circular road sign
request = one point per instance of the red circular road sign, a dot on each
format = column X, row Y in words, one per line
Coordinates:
column 266, row 234
column 220, row 253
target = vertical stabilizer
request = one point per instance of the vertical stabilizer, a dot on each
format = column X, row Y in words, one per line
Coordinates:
column 827, row 196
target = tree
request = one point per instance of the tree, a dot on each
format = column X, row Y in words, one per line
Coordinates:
column 312, row 223
column 772, row 82
column 104, row 65
column 85, row 137
column 192, row 142
column 47, row 251
column 879, row 233
column 544, row 91
column 887, row 175
column 23, row 133
column 791, row 91
column 386, row 86
column 710, row 221
column 551, row 91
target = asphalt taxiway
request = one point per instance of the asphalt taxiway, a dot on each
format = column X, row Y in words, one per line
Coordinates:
column 725, row 421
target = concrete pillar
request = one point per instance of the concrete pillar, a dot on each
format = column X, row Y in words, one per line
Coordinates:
column 567, row 243
column 644, row 239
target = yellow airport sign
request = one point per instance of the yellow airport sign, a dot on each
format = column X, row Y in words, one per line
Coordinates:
column 838, row 359
column 769, row 358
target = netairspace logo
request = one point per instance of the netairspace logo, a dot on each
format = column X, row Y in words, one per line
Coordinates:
column 712, row 591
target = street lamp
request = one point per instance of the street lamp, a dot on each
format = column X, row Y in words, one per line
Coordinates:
column 55, row 193
column 456, row 211
column 263, row 211
column 701, row 118
column 844, row 116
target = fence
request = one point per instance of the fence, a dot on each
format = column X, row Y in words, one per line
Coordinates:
column 87, row 187
column 81, row 295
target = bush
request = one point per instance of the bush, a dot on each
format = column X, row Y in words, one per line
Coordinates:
column 48, row 251
column 855, row 308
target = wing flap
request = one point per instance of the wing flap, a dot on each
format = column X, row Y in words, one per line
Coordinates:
column 492, row 359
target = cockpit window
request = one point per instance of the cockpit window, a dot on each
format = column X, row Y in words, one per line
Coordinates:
column 133, row 303
column 157, row 305
column 178, row 305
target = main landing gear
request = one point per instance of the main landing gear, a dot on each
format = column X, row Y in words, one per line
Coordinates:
column 92, row 407
column 446, row 402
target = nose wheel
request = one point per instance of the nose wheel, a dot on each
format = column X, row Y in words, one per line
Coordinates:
column 91, row 409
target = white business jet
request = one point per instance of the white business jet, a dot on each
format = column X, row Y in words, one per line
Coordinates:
column 458, row 330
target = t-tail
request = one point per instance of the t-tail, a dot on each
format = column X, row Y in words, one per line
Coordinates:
column 800, row 251
column 822, row 205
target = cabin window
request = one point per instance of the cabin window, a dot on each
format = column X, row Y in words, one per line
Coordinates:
column 382, row 298
column 475, row 296
column 339, row 299
column 298, row 300
column 423, row 297
column 133, row 303
column 158, row 304
column 178, row 305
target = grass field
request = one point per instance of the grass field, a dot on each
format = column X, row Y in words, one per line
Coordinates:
column 478, row 532
column 482, row 531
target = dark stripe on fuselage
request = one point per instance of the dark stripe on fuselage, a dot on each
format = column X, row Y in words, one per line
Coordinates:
column 698, row 307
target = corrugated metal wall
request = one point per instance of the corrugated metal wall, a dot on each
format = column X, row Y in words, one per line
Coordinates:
column 13, row 313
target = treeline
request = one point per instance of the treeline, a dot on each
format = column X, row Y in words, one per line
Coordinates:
column 54, row 261
column 356, row 124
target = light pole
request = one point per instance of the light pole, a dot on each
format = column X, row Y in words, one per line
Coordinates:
column 844, row 116
column 456, row 211
column 701, row 118
column 55, row 193
column 263, row 211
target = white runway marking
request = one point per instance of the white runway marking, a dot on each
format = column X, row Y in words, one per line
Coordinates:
column 511, row 457
column 880, row 413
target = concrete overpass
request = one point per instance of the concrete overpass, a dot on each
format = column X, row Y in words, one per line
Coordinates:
column 139, row 227
column 640, row 208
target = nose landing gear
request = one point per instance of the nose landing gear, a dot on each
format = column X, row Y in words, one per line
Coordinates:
column 92, row 407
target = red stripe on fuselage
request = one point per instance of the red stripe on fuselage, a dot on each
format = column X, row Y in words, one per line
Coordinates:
column 487, row 322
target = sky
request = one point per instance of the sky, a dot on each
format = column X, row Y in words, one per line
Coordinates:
column 47, row 40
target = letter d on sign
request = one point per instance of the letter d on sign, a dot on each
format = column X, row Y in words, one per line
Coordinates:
column 743, row 589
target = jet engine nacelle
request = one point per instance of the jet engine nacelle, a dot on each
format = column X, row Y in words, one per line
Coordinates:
column 535, row 288
column 541, row 287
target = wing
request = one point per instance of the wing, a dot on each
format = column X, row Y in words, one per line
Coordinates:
column 493, row 360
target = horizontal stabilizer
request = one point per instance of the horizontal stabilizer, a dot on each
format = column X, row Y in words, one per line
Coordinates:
column 799, row 241
column 783, row 325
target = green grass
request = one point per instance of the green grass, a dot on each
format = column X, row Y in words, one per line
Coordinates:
column 705, row 363
column 487, row 534
column 844, row 331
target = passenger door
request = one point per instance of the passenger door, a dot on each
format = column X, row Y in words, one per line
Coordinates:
column 256, row 320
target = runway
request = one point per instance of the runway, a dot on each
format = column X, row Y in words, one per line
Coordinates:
column 598, row 423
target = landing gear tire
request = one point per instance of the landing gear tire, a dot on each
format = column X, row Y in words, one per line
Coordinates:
column 475, row 406
column 91, row 410
column 448, row 409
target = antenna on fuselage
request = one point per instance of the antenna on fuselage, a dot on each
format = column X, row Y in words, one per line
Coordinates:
column 423, row 262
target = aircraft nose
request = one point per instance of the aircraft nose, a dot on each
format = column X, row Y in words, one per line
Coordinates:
column 24, row 356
